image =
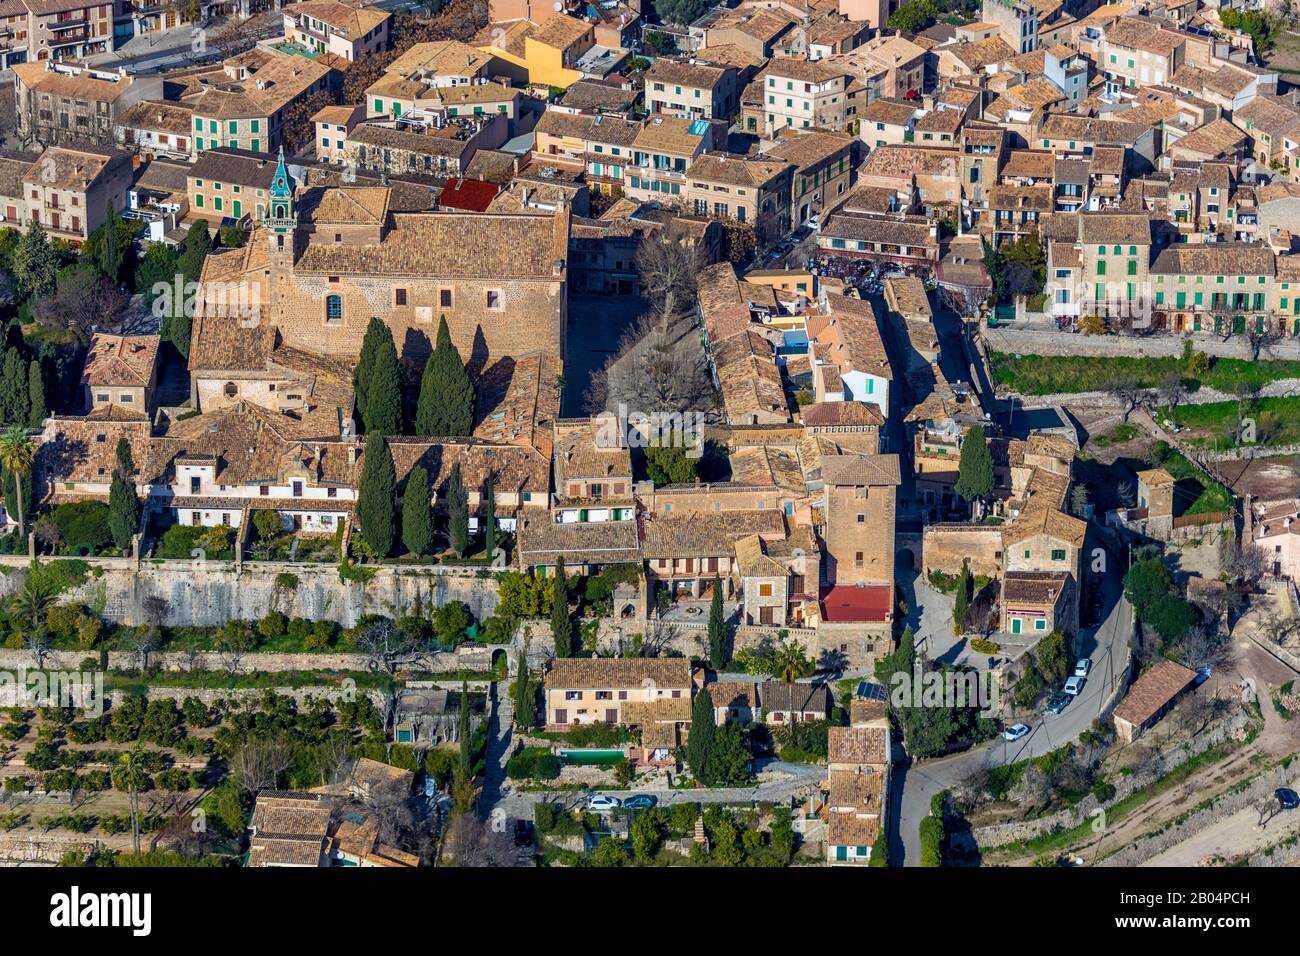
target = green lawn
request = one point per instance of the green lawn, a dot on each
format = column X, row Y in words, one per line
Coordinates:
column 1116, row 436
column 1213, row 497
column 1049, row 374
column 1277, row 422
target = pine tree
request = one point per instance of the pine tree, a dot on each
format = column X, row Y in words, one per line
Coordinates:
column 110, row 255
column 446, row 404
column 699, row 746
column 490, row 516
column 35, row 395
column 561, row 623
column 717, row 628
column 975, row 472
column 15, row 405
column 961, row 607
column 35, row 264
column 383, row 414
column 417, row 520
column 123, row 505
column 376, row 334
column 376, row 496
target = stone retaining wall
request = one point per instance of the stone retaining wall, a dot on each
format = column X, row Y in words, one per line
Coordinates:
column 211, row 593
column 1142, row 848
column 1044, row 342
column 1003, row 833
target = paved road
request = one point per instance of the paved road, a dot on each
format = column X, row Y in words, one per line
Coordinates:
column 520, row 805
column 913, row 787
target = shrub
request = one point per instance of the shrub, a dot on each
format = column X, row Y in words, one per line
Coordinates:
column 268, row 523
column 271, row 626
column 83, row 526
column 533, row 763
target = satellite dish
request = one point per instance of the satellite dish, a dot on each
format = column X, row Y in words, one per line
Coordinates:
column 559, row 7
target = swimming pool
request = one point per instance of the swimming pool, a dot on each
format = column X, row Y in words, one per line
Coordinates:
column 591, row 758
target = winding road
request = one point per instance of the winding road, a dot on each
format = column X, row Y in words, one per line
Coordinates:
column 913, row 786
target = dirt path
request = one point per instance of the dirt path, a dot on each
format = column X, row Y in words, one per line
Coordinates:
column 1234, row 836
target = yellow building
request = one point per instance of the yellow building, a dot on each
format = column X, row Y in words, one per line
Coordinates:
column 543, row 55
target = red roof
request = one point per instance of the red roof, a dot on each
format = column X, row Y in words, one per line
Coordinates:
column 472, row 195
column 847, row 603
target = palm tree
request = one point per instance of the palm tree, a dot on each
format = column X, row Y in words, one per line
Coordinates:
column 791, row 663
column 17, row 452
column 34, row 598
column 131, row 767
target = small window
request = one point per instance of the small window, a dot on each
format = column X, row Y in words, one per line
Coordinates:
column 399, row 296
column 334, row 308
column 231, row 390
column 494, row 298
column 444, row 298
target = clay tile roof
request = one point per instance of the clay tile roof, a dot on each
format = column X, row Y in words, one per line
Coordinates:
column 804, row 149
column 164, row 117
column 857, row 745
column 542, row 541
column 350, row 205
column 702, row 75
column 1156, row 477
column 732, row 694
column 579, row 673
column 561, row 32
column 1033, row 587
column 873, row 470
column 120, row 359
column 736, row 170
column 1153, row 690
column 775, row 695
column 1048, row 521
column 864, row 791
column 822, row 414
column 893, row 112
column 514, row 245
column 981, row 53
column 354, row 21
column 1122, row 228
column 706, row 533
column 853, row 829
column 289, row 829
column 1228, row 258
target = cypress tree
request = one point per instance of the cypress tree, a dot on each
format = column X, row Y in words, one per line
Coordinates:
column 109, row 258
column 383, row 415
column 717, row 628
column 15, row 406
column 561, row 623
column 376, row 496
column 35, row 394
column 975, row 471
column 961, row 608
column 446, row 404
column 376, row 333
column 177, row 327
column 457, row 512
column 417, row 520
column 490, row 517
column 466, row 763
column 699, row 746
column 123, row 505
column 525, row 693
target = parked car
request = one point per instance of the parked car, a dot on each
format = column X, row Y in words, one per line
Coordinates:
column 642, row 801
column 598, row 802
column 523, row 833
column 1058, row 702
column 1287, row 798
column 1082, row 666
column 1015, row 731
column 1073, row 685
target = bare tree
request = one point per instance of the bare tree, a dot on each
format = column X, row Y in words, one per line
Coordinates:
column 258, row 765
column 659, row 367
column 479, row 843
column 1034, row 790
column 1129, row 393
column 1267, row 808
column 1200, row 648
column 668, row 269
column 1172, row 390
column 388, row 647
column 38, row 643
column 144, row 641
column 1242, row 561
column 1196, row 711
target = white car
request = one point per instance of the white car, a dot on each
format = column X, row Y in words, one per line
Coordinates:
column 1015, row 731
column 598, row 802
column 1082, row 666
column 1073, row 686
